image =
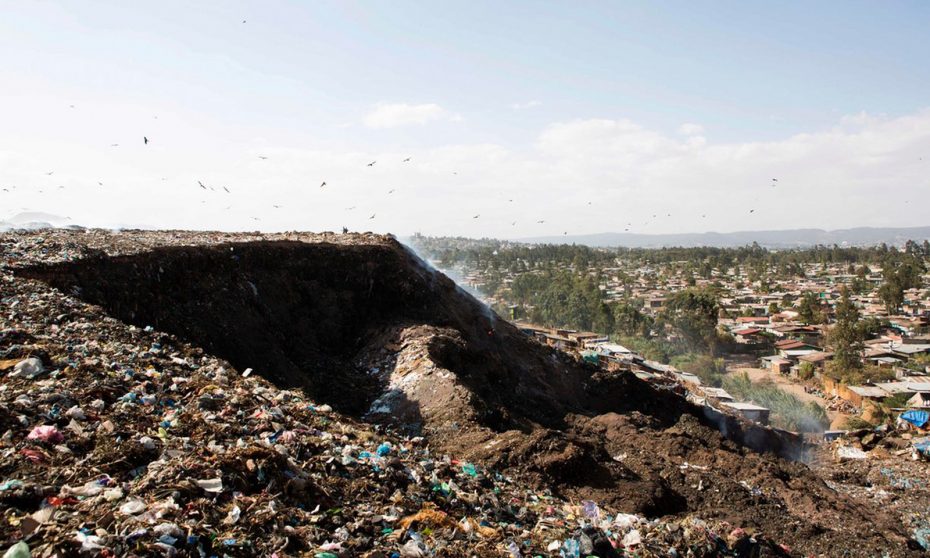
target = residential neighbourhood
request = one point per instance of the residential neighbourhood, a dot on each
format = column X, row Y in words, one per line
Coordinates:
column 771, row 324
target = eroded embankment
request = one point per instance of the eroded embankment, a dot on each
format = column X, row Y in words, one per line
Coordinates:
column 372, row 330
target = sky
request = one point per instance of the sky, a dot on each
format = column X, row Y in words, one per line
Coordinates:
column 482, row 119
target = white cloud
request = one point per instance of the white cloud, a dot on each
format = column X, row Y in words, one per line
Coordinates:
column 866, row 170
column 527, row 105
column 690, row 129
column 392, row 115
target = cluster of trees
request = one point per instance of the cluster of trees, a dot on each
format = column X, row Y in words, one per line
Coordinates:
column 900, row 272
column 846, row 338
column 759, row 263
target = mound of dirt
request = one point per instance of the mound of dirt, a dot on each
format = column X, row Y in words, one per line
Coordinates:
column 365, row 325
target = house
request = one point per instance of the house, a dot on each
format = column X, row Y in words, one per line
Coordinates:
column 858, row 395
column 817, row 359
column 920, row 400
column 717, row 393
column 743, row 320
column 583, row 338
column 792, row 350
column 776, row 363
column 749, row 411
column 749, row 335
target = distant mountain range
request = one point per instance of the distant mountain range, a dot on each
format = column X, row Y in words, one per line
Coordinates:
column 32, row 220
column 795, row 238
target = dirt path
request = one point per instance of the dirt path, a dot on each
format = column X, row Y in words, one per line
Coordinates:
column 787, row 385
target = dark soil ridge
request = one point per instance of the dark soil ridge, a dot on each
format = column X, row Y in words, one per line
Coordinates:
column 377, row 333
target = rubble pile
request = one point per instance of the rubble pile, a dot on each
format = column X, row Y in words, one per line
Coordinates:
column 120, row 435
column 882, row 466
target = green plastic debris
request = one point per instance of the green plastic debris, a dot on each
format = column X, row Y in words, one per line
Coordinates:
column 18, row 550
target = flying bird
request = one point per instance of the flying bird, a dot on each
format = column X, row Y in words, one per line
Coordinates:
column 752, row 210
column 323, row 184
column 227, row 189
column 407, row 160
column 276, row 206
column 262, row 157
column 391, row 191
column 201, row 185
column 540, row 221
column 512, row 224
column 371, row 164
column 372, row 217
column 99, row 183
column 146, row 140
column 476, row 216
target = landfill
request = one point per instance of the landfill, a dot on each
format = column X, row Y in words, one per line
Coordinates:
column 133, row 439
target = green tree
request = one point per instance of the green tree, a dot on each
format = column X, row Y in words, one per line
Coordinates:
column 629, row 321
column 809, row 309
column 693, row 314
column 846, row 337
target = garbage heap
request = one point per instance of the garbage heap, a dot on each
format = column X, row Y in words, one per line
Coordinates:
column 120, row 440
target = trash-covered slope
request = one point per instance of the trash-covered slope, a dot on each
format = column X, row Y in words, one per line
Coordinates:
column 506, row 432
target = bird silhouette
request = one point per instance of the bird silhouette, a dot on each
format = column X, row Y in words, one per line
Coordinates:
column 227, row 189
column 540, row 222
column 512, row 224
column 476, row 216
column 371, row 164
column 391, row 191
column 276, row 206
column 146, row 140
column 407, row 160
column 752, row 210
column 323, row 184
column 99, row 183
column 262, row 157
column 372, row 216
column 50, row 173
column 201, row 185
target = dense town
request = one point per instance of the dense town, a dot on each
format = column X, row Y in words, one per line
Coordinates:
column 822, row 341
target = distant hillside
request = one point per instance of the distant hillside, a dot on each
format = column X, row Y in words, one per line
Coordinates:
column 33, row 220
column 796, row 238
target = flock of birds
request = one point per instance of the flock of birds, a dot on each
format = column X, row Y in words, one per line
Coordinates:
column 324, row 184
